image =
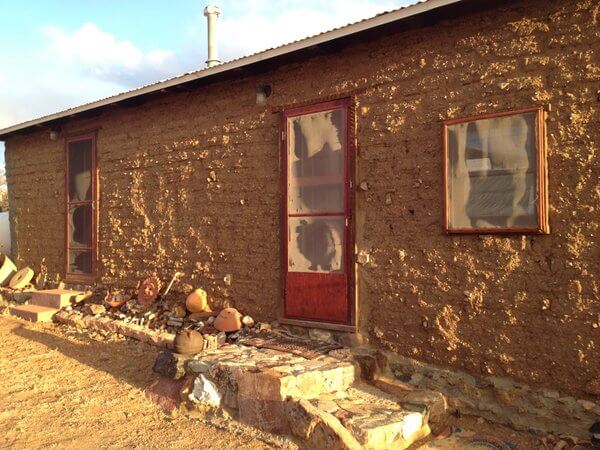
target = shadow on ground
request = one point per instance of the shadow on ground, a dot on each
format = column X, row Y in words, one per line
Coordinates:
column 126, row 360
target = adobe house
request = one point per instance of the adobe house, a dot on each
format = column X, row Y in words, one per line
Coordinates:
column 427, row 177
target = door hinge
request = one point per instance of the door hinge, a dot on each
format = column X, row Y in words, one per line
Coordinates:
column 283, row 135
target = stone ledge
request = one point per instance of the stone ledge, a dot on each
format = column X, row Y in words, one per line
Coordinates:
column 116, row 326
column 497, row 399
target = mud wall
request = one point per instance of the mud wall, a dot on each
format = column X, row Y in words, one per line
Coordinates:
column 190, row 182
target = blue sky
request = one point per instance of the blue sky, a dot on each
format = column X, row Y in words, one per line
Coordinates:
column 61, row 53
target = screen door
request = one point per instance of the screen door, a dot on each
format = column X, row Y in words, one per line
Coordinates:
column 317, row 213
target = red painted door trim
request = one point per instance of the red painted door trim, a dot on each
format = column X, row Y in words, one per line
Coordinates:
column 319, row 284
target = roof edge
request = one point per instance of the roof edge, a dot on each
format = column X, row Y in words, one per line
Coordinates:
column 337, row 33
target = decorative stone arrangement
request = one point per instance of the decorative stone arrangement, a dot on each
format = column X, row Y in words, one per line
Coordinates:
column 321, row 401
column 108, row 325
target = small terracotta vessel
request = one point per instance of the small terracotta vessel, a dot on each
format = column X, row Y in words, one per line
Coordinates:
column 228, row 320
column 188, row 342
column 21, row 279
column 116, row 299
column 7, row 269
column 196, row 301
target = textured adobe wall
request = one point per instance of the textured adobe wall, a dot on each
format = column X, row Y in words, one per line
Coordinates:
column 35, row 176
column 191, row 182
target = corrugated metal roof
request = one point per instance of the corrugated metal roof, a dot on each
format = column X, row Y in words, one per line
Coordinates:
column 327, row 36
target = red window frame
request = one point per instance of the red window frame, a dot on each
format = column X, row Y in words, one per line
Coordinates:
column 540, row 170
column 78, row 276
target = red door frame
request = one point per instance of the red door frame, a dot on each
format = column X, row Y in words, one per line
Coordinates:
column 347, row 104
column 82, row 277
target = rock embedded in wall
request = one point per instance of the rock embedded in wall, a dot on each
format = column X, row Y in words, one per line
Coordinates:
column 593, row 386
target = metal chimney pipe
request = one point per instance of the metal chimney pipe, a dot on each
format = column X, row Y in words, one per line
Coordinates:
column 212, row 12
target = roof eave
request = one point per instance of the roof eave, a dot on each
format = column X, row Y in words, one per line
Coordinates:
column 292, row 47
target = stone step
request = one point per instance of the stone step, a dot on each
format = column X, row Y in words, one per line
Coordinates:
column 56, row 298
column 257, row 382
column 433, row 402
column 34, row 313
column 374, row 418
column 272, row 375
column 321, row 401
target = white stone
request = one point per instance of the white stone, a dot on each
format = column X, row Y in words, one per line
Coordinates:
column 221, row 338
column 205, row 391
column 248, row 321
column 587, row 405
column 321, row 335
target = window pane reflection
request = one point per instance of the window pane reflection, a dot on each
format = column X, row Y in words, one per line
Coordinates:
column 80, row 225
column 80, row 170
column 316, row 162
column 315, row 244
column 492, row 173
column 80, row 261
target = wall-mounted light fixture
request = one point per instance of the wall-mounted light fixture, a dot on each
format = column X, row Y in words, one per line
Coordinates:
column 262, row 92
column 53, row 135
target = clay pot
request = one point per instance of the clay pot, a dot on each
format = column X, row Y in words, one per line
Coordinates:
column 188, row 342
column 196, row 301
column 228, row 320
column 21, row 279
column 7, row 269
column 116, row 299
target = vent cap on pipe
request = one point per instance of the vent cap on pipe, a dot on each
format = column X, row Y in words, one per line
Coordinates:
column 212, row 12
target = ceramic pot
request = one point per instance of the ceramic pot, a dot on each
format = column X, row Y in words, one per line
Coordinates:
column 196, row 301
column 228, row 320
column 116, row 299
column 7, row 269
column 21, row 279
column 188, row 342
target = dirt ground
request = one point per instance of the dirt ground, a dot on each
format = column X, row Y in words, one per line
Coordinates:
column 62, row 388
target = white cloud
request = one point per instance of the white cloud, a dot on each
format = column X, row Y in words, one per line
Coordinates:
column 100, row 54
column 256, row 31
column 76, row 66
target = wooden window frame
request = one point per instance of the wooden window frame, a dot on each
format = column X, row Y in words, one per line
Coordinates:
column 541, row 174
column 75, row 277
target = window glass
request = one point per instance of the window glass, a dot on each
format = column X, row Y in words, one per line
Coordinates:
column 80, row 261
column 315, row 244
column 316, row 162
column 80, row 225
column 80, row 170
column 491, row 168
